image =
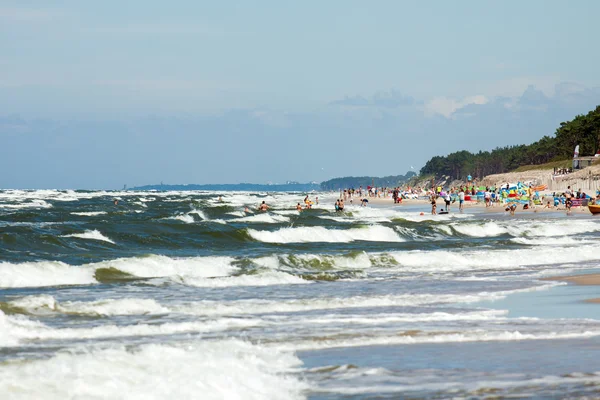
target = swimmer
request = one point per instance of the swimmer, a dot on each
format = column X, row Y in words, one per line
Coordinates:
column 263, row 206
column 116, row 202
column 298, row 207
column 246, row 209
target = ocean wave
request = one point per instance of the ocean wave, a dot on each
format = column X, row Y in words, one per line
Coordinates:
column 373, row 233
column 224, row 369
column 264, row 218
column 263, row 278
column 44, row 273
column 44, row 304
column 16, row 332
column 89, row 213
column 193, row 271
column 244, row 307
column 92, row 235
column 534, row 229
column 188, row 219
column 319, row 262
column 439, row 261
column 418, row 337
column 31, row 204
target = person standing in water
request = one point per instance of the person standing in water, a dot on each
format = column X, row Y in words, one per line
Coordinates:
column 263, row 206
column 433, row 204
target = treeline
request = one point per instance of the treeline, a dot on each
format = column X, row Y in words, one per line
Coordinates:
column 583, row 130
column 364, row 181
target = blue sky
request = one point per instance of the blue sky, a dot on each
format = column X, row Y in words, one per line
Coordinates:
column 278, row 90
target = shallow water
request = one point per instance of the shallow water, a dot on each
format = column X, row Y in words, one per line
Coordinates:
column 105, row 301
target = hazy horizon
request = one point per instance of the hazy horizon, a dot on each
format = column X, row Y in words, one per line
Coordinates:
column 96, row 96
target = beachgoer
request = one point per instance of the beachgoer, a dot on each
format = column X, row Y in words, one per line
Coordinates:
column 246, row 209
column 461, row 200
column 447, row 200
column 433, row 205
column 263, row 206
column 116, row 202
column 298, row 207
column 364, row 202
column 341, row 205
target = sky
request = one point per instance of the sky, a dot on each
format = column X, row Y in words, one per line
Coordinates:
column 102, row 94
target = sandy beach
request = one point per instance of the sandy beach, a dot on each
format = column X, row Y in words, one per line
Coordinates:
column 583, row 280
column 470, row 205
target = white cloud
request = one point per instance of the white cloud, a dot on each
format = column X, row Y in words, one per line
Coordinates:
column 447, row 106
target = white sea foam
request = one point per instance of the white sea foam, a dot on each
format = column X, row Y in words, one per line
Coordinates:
column 161, row 266
column 315, row 261
column 532, row 229
column 264, row 278
column 243, row 307
column 263, row 218
column 93, row 235
column 89, row 213
column 387, row 318
column 486, row 259
column 44, row 273
column 31, row 204
column 188, row 219
column 374, row 233
column 478, row 335
column 199, row 213
column 226, row 369
column 16, row 331
column 43, row 304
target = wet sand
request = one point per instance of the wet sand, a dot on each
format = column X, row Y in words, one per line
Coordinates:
column 583, row 280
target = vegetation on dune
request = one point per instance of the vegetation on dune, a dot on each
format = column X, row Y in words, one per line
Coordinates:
column 583, row 130
column 364, row 181
column 551, row 165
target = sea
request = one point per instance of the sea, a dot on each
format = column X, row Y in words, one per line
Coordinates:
column 184, row 295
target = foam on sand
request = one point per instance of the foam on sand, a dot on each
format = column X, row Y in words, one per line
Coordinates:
column 225, row 369
column 244, row 307
column 92, row 235
column 375, row 233
column 413, row 337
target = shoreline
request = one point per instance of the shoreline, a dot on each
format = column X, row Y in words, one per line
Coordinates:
column 591, row 279
column 496, row 208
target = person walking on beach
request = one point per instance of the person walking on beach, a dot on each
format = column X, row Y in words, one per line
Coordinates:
column 447, row 200
column 461, row 199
